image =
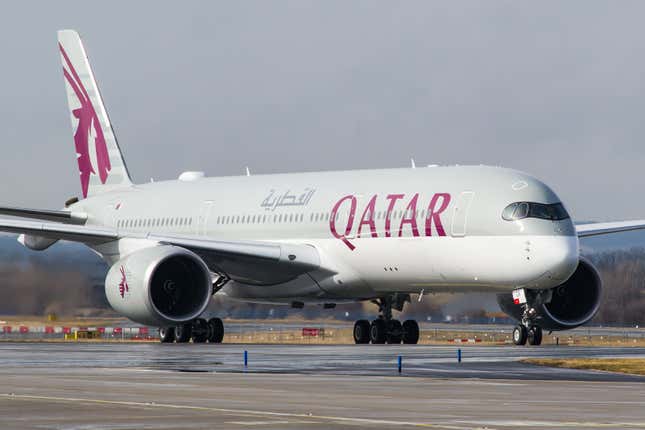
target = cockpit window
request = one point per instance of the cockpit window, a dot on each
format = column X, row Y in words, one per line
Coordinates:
column 521, row 210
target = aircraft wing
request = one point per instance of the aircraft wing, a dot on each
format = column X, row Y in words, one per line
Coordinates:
column 250, row 262
column 66, row 217
column 54, row 230
column 255, row 262
column 600, row 228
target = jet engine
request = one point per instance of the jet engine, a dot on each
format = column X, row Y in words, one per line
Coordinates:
column 564, row 307
column 159, row 286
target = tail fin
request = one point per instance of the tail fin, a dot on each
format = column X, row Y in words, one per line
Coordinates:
column 100, row 163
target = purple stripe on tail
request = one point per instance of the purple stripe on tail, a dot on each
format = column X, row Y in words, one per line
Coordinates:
column 87, row 119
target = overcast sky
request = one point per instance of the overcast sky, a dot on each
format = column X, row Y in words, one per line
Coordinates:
column 552, row 88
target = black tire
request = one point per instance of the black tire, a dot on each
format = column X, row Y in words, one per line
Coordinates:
column 183, row 332
column 535, row 336
column 200, row 331
column 410, row 332
column 519, row 335
column 362, row 332
column 378, row 332
column 215, row 330
column 394, row 332
column 166, row 334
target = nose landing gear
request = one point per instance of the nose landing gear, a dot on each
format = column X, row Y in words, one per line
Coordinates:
column 522, row 335
column 528, row 329
column 386, row 329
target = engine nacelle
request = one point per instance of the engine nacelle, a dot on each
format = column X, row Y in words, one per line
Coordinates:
column 566, row 306
column 159, row 286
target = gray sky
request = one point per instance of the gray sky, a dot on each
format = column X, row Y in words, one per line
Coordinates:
column 552, row 88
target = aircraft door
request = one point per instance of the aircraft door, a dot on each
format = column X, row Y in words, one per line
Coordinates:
column 202, row 221
column 460, row 214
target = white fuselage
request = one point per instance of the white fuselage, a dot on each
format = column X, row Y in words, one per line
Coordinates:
column 379, row 231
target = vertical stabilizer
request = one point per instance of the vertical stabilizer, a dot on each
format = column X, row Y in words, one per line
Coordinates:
column 100, row 163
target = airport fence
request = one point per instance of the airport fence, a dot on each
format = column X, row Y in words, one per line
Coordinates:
column 321, row 333
column 26, row 333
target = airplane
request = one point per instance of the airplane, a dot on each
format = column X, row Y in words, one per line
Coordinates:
column 321, row 238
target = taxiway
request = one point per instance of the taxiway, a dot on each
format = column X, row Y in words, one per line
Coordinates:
column 71, row 386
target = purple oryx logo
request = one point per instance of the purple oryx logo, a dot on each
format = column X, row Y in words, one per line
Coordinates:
column 87, row 119
column 123, row 285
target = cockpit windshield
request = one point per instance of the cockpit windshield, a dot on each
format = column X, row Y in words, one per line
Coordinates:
column 520, row 210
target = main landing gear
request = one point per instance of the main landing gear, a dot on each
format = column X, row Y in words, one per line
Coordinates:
column 385, row 329
column 199, row 330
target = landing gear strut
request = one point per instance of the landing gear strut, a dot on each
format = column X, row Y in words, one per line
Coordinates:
column 385, row 329
column 528, row 329
column 199, row 330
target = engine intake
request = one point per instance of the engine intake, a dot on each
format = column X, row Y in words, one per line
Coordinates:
column 569, row 305
column 162, row 285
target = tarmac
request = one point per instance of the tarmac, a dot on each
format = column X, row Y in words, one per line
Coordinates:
column 122, row 386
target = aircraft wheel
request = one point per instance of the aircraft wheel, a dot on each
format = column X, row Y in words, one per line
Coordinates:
column 519, row 335
column 183, row 332
column 378, row 331
column 166, row 334
column 410, row 332
column 200, row 330
column 215, row 330
column 394, row 331
column 535, row 335
column 362, row 332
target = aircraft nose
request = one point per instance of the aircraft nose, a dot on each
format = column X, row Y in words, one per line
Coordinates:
column 563, row 257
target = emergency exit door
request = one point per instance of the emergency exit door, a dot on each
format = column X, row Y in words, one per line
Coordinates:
column 460, row 214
